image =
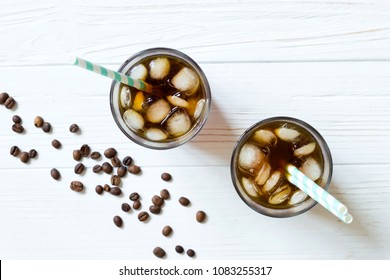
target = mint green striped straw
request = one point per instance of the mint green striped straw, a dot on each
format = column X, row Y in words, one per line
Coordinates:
column 320, row 195
column 138, row 84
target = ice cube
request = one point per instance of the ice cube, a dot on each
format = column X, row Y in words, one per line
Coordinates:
column 155, row 134
column 273, row 182
column 250, row 158
column 297, row 197
column 125, row 97
column 249, row 187
column 280, row 195
column 305, row 150
column 186, row 80
column 157, row 110
column 263, row 174
column 133, row 119
column 192, row 104
column 265, row 137
column 159, row 68
column 311, row 169
column 199, row 108
column 178, row 122
column 177, row 101
column 286, row 134
column 139, row 72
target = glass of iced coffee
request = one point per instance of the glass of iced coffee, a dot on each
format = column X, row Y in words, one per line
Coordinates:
column 171, row 115
column 259, row 160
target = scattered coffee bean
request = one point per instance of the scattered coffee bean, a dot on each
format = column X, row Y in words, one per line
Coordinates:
column 76, row 186
column 166, row 176
column 85, row 150
column 157, row 200
column 143, row 216
column 77, row 155
column 115, row 191
column 97, row 168
column 79, row 168
column 38, row 121
column 9, row 103
column 121, row 171
column 46, row 127
column 155, row 209
column 3, row 97
column 159, row 252
column 190, row 253
column 134, row 196
column 116, row 162
column 200, row 216
column 179, row 249
column 137, row 204
column 33, row 153
column 115, row 180
column 24, row 157
column 55, row 174
column 14, row 151
column 106, row 188
column 125, row 207
column 95, row 155
column 17, row 119
column 110, row 153
column 134, row 169
column 74, row 128
column 99, row 189
column 118, row 221
column 107, row 168
column 164, row 194
column 17, row 127
column 184, row 201
column 167, row 230
column 127, row 161
column 56, row 144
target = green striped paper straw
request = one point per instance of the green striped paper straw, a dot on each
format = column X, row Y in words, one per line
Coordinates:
column 320, row 195
column 138, row 84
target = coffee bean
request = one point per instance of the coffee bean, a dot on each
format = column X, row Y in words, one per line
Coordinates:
column 99, row 189
column 38, row 121
column 115, row 180
column 166, row 176
column 74, row 128
column 179, row 249
column 118, row 221
column 95, row 155
column 157, row 200
column 143, row 216
column 127, row 160
column 17, row 127
column 33, row 153
column 110, row 153
column 3, row 97
column 125, row 207
column 56, row 144
column 116, row 162
column 9, row 103
column 200, row 216
column 77, row 155
column 97, row 168
column 46, row 127
column 190, row 253
column 76, row 186
column 167, row 230
column 159, row 252
column 24, row 157
column 17, row 119
column 106, row 188
column 85, row 150
column 164, row 194
column 107, row 168
column 134, row 169
column 79, row 168
column 55, row 174
column 134, row 196
column 137, row 204
column 121, row 171
column 184, row 201
column 115, row 191
column 155, row 209
column 14, row 151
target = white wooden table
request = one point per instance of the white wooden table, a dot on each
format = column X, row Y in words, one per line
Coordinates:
column 325, row 62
